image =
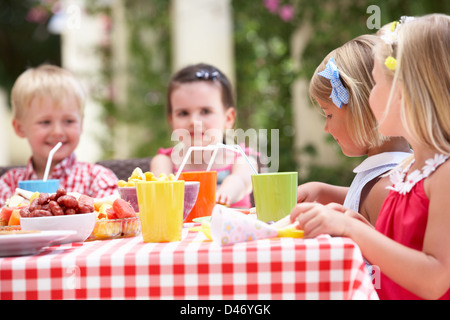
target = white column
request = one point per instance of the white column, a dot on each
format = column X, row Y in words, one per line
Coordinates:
column 203, row 32
column 120, row 48
column 81, row 34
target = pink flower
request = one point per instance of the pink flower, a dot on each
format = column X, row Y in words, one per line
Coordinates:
column 272, row 5
column 37, row 15
column 287, row 12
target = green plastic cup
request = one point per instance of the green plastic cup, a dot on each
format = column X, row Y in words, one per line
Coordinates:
column 275, row 194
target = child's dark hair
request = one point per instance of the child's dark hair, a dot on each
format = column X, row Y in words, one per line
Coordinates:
column 201, row 72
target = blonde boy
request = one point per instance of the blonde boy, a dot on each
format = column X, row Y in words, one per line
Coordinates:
column 48, row 104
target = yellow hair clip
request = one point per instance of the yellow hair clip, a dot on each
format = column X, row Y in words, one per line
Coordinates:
column 394, row 25
column 390, row 63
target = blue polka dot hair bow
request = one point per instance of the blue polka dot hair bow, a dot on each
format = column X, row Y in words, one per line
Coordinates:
column 339, row 94
column 205, row 75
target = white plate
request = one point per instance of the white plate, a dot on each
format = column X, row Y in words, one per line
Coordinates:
column 20, row 244
column 82, row 223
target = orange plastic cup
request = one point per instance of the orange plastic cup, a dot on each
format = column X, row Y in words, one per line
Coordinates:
column 206, row 199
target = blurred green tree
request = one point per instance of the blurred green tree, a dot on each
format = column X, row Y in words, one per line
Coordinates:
column 264, row 65
column 147, row 72
column 25, row 40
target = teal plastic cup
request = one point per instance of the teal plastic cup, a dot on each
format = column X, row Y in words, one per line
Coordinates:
column 41, row 186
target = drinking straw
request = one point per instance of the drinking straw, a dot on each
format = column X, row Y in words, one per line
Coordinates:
column 183, row 163
column 49, row 160
column 211, row 161
column 236, row 148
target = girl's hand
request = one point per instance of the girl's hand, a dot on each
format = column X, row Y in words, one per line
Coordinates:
column 349, row 213
column 236, row 185
column 321, row 192
column 308, row 192
column 315, row 219
column 222, row 198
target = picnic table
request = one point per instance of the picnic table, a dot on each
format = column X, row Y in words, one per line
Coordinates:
column 194, row 268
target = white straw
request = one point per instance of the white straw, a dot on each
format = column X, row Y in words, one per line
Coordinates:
column 213, row 157
column 49, row 160
column 246, row 158
column 186, row 158
column 236, row 148
column 183, row 163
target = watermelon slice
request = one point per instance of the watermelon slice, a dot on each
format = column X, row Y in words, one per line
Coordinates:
column 123, row 209
column 6, row 213
column 111, row 214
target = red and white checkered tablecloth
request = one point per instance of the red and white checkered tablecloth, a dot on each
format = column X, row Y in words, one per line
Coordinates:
column 194, row 268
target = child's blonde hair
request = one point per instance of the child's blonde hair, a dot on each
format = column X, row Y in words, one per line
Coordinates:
column 422, row 54
column 355, row 63
column 49, row 81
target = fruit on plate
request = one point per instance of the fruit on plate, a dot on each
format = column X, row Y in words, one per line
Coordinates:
column 6, row 214
column 10, row 216
column 98, row 202
column 106, row 229
column 119, row 209
column 14, row 219
column 123, row 209
column 116, row 219
column 15, row 202
column 105, row 211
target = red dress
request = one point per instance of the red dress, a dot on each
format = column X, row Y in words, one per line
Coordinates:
column 403, row 218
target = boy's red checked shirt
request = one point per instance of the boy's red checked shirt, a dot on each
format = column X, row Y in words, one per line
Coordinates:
column 90, row 179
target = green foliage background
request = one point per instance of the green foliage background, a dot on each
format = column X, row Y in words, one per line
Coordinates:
column 264, row 69
column 22, row 43
column 148, row 71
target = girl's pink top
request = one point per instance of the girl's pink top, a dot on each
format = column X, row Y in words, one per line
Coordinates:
column 403, row 218
column 222, row 173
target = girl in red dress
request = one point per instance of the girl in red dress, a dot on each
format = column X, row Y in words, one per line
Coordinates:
column 410, row 242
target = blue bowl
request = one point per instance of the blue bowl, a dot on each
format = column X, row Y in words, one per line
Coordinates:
column 49, row 186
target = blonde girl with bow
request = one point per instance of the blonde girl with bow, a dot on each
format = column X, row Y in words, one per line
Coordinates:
column 341, row 87
column 410, row 243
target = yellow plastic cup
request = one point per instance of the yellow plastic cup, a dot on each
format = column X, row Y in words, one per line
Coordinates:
column 161, row 210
